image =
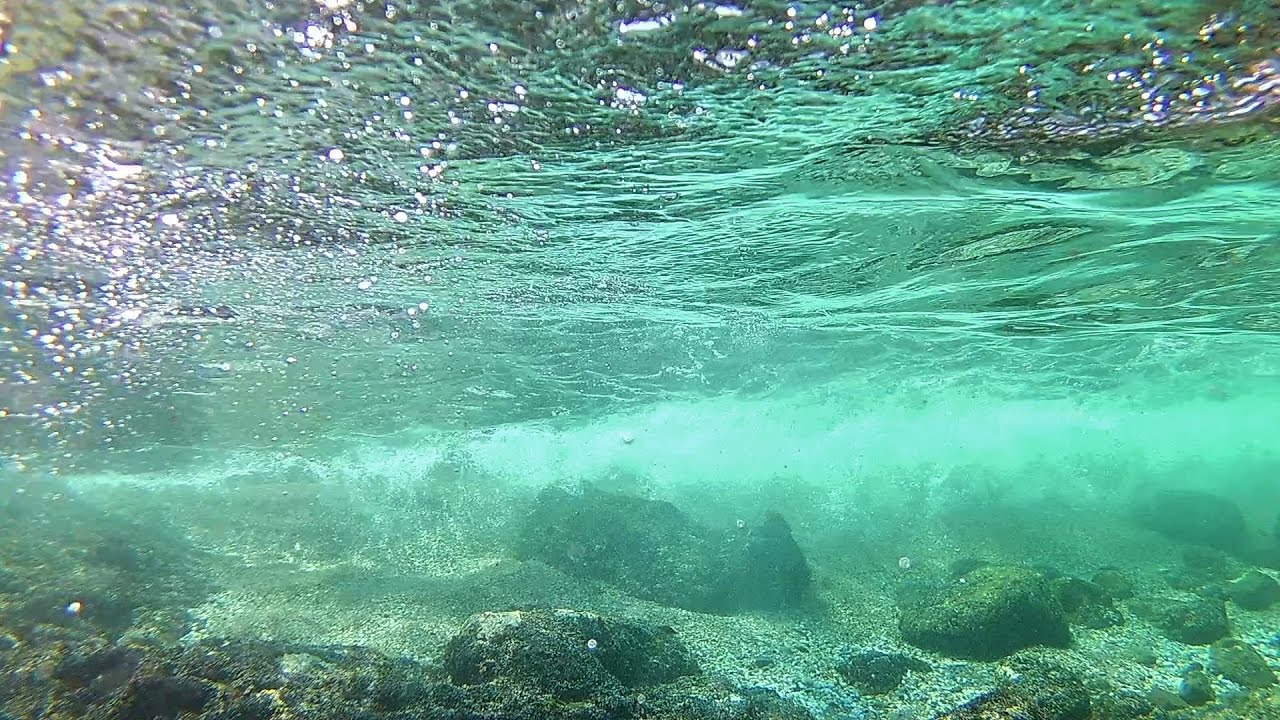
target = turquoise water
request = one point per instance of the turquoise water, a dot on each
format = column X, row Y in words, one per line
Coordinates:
column 331, row 292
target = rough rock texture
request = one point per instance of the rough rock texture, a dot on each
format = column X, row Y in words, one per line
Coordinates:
column 989, row 613
column 651, row 550
column 874, row 672
column 1254, row 591
column 1196, row 687
column 1036, row 690
column 1085, row 603
column 1200, row 621
column 1240, row 663
column 569, row 654
column 61, row 673
column 1115, row 582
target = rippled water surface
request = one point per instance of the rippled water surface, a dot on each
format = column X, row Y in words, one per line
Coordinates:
column 265, row 224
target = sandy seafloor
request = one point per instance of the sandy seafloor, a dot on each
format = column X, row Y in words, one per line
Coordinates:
column 399, row 569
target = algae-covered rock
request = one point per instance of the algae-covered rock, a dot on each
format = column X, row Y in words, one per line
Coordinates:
column 569, row 654
column 991, row 612
column 1115, row 582
column 1240, row 663
column 874, row 672
column 1254, row 591
column 1196, row 687
column 1034, row 690
column 652, row 550
column 1195, row 517
column 1200, row 621
column 85, row 674
column 1085, row 603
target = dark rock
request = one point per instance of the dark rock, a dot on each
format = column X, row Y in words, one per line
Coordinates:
column 1085, row 603
column 1115, row 582
column 1195, row 622
column 10, row 582
column 1240, row 663
column 1122, row 705
column 989, row 613
column 83, row 673
column 1201, row 567
column 877, row 673
column 568, row 654
column 1195, row 517
column 652, row 550
column 1162, row 699
column 1199, row 621
column 764, row 568
column 164, row 697
column 1254, row 591
column 1196, row 687
column 964, row 566
column 1037, row 690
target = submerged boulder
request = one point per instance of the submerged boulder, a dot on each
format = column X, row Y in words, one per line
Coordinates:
column 874, row 672
column 989, row 613
column 1240, row 663
column 652, row 550
column 1086, row 603
column 1254, row 591
column 1198, row 621
column 569, row 654
column 1196, row 517
column 502, row 666
column 1034, row 689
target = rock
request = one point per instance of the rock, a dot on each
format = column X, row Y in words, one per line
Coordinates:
column 989, row 613
column 878, row 673
column 1201, row 568
column 569, row 654
column 87, row 675
column 1114, row 582
column 1085, row 603
column 1195, row 622
column 1162, row 699
column 1196, row 517
column 1122, row 705
column 1196, row 687
column 1240, row 663
column 1254, row 591
column 652, row 550
column 1036, row 690
column 764, row 568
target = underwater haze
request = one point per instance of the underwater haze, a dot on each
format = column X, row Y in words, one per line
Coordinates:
column 577, row 359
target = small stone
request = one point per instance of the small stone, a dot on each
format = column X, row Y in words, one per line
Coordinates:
column 1162, row 699
column 1254, row 591
column 1196, row 687
column 878, row 673
column 1115, row 582
column 1240, row 663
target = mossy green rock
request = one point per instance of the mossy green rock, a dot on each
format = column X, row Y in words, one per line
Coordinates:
column 1195, row 622
column 1240, row 663
column 1086, row 603
column 1115, row 582
column 987, row 614
column 1196, row 687
column 652, row 550
column 1254, row 591
column 568, row 654
column 1035, row 690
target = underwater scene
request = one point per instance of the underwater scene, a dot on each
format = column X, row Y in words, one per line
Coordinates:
column 634, row 359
